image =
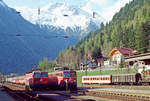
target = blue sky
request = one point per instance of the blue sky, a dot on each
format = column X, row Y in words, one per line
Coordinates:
column 107, row 8
column 41, row 3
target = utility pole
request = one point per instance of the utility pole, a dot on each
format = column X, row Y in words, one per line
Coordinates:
column 93, row 14
column 38, row 11
column 86, row 66
column 99, row 68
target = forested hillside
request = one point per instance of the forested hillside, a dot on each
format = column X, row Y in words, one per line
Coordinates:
column 129, row 27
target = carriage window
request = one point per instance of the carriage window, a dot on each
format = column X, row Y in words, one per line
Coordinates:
column 69, row 74
column 66, row 74
column 44, row 75
column 73, row 74
column 37, row 75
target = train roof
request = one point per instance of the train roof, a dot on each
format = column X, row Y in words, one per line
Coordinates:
column 124, row 74
column 64, row 71
column 97, row 76
column 35, row 72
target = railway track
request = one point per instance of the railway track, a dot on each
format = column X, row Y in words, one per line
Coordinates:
column 14, row 87
column 131, row 87
column 121, row 93
column 22, row 95
column 118, row 95
column 18, row 93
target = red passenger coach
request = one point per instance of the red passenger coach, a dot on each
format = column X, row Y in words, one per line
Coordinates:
column 64, row 79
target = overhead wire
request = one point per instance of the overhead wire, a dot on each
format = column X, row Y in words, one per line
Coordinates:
column 31, row 35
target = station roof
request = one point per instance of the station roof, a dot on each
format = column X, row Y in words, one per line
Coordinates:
column 145, row 56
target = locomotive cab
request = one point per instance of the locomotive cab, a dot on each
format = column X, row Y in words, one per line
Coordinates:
column 63, row 80
column 36, row 80
column 70, row 79
column 44, row 80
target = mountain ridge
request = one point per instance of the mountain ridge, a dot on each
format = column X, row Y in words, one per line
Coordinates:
column 61, row 16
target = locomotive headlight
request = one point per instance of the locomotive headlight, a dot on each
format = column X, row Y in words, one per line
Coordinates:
column 70, row 79
column 66, row 80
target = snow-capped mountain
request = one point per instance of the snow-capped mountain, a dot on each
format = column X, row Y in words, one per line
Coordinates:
column 64, row 17
column 23, row 43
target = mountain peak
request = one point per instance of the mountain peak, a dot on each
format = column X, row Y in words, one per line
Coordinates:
column 62, row 16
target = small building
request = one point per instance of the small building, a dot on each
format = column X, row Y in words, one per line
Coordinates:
column 119, row 53
column 138, row 58
column 101, row 61
column 88, row 64
column 106, row 63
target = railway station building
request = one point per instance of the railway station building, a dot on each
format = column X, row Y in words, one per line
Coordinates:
column 144, row 58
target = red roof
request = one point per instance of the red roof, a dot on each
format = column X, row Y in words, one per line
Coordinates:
column 123, row 50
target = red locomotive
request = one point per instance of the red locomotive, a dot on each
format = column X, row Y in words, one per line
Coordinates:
column 32, row 80
column 36, row 80
column 63, row 79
